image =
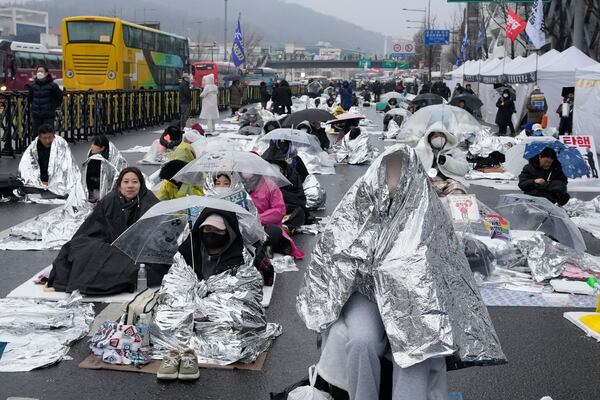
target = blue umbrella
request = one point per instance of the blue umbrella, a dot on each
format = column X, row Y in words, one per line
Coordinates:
column 571, row 160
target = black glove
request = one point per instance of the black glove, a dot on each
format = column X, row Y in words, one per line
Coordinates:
column 441, row 159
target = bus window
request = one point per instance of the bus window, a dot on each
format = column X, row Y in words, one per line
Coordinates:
column 148, row 40
column 132, row 37
column 90, row 31
column 38, row 59
column 23, row 60
column 53, row 61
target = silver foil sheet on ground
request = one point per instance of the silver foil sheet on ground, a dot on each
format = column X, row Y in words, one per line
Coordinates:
column 39, row 334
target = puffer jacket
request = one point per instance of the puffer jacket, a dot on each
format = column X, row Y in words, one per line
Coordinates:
column 44, row 97
column 454, row 166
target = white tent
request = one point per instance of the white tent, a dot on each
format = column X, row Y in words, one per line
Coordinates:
column 558, row 73
column 490, row 72
column 586, row 114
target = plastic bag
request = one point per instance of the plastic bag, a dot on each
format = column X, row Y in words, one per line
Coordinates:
column 309, row 392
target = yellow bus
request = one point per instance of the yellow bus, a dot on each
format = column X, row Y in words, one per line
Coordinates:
column 103, row 53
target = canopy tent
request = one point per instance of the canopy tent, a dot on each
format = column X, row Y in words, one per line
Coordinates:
column 456, row 76
column 490, row 74
column 586, row 112
column 557, row 73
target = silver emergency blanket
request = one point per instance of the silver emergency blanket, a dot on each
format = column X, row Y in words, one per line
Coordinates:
column 488, row 144
column 51, row 230
column 357, row 151
column 316, row 196
column 63, row 172
column 156, row 154
column 585, row 214
column 317, row 162
column 545, row 258
column 221, row 318
column 250, row 225
column 406, row 257
column 39, row 334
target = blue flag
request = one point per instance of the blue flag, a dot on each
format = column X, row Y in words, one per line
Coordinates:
column 238, row 55
column 464, row 47
column 481, row 39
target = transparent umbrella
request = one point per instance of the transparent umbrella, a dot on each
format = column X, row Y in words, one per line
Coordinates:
column 392, row 95
column 154, row 237
column 289, row 134
column 456, row 120
column 229, row 161
column 539, row 214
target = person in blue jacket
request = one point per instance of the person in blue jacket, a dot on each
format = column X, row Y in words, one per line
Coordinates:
column 346, row 96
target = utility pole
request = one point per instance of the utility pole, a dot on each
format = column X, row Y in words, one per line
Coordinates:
column 225, row 35
column 430, row 47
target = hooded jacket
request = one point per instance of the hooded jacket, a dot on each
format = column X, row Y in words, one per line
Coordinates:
column 205, row 265
column 455, row 165
column 268, row 199
column 346, row 96
column 185, row 94
column 89, row 263
column 210, row 98
column 555, row 188
column 44, row 97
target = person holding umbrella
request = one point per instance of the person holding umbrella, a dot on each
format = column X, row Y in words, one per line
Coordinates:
column 506, row 108
column 88, row 262
column 543, row 176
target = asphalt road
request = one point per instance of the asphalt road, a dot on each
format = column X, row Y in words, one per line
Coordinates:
column 547, row 354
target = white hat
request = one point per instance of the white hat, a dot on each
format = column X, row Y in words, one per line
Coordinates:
column 192, row 135
column 536, row 127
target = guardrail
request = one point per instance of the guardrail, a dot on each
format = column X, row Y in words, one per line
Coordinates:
column 88, row 113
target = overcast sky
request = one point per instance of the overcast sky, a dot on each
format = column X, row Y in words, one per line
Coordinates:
column 384, row 16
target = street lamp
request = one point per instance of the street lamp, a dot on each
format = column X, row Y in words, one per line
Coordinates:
column 428, row 12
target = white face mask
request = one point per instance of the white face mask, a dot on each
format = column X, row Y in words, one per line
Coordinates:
column 505, row 95
column 220, row 190
column 40, row 75
column 438, row 142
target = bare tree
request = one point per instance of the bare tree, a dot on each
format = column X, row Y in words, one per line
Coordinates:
column 252, row 40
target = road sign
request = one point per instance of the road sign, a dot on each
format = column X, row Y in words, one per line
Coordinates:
column 364, row 62
column 390, row 64
column 436, row 37
column 402, row 65
column 402, row 56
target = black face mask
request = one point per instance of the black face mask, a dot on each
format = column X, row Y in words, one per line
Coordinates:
column 213, row 240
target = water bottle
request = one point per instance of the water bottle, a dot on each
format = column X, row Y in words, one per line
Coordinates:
column 143, row 329
column 594, row 284
column 142, row 283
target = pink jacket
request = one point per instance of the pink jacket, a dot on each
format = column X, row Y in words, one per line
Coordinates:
column 269, row 203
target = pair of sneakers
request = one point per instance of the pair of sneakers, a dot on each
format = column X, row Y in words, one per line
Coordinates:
column 179, row 365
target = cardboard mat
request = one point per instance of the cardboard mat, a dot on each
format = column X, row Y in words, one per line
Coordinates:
column 31, row 290
column 93, row 362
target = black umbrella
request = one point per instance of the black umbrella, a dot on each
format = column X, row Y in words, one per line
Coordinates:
column 310, row 115
column 471, row 102
column 501, row 88
column 427, row 99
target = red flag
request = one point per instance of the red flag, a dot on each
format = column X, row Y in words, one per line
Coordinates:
column 514, row 25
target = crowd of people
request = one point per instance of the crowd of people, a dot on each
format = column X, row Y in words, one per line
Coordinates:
column 358, row 281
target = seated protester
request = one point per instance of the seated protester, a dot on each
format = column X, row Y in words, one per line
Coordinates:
column 391, row 104
column 251, row 123
column 462, row 104
column 184, row 151
column 228, row 186
column 88, row 262
column 171, row 189
column 354, row 147
column 282, row 155
column 47, row 166
column 537, row 130
column 445, row 164
column 93, row 171
column 315, row 129
column 338, row 110
column 217, row 244
column 327, row 106
column 271, row 125
column 268, row 199
column 544, row 177
column 171, row 137
column 376, row 287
